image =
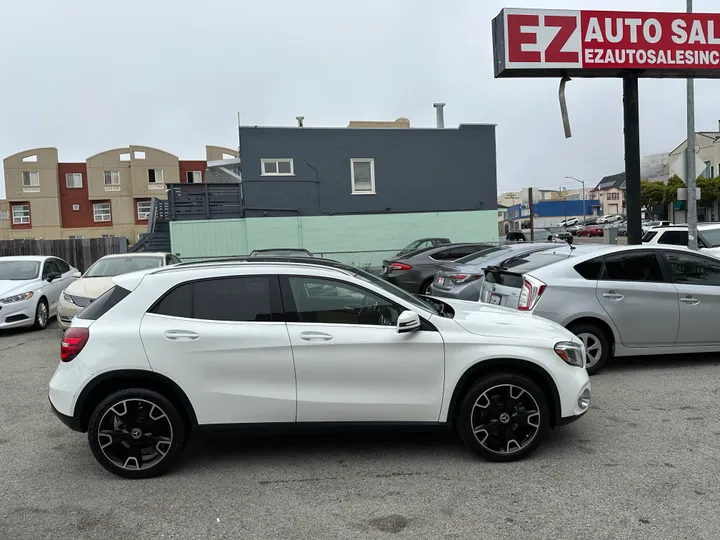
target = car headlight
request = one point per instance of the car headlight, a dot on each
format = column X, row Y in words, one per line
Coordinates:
column 68, row 298
column 571, row 353
column 17, row 298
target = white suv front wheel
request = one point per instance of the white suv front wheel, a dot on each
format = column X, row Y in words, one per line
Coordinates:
column 136, row 433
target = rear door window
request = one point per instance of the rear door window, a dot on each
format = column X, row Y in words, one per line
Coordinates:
column 590, row 269
column 632, row 266
column 674, row 238
column 104, row 303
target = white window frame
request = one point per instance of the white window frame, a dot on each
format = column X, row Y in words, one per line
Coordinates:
column 75, row 207
column 21, row 219
column 372, row 175
column 4, row 214
column 158, row 174
column 74, row 176
column 265, row 161
column 197, row 175
column 31, row 175
column 102, row 214
column 114, row 178
column 143, row 215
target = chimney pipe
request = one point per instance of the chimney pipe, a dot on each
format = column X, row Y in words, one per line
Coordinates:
column 300, row 120
column 439, row 115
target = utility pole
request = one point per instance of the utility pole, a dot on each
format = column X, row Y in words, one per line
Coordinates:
column 582, row 182
column 532, row 214
column 690, row 159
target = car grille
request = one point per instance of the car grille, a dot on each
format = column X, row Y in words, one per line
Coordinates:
column 81, row 301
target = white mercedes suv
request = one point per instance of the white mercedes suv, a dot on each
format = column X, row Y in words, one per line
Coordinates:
column 280, row 341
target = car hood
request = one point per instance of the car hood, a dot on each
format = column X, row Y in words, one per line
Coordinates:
column 11, row 287
column 488, row 320
column 90, row 287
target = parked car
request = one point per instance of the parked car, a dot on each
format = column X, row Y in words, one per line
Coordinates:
column 591, row 230
column 574, row 229
column 565, row 236
column 610, row 218
column 414, row 271
column 463, row 279
column 523, row 235
column 624, row 300
column 677, row 235
column 622, row 228
column 30, row 287
column 98, row 279
column 275, row 352
column 569, row 222
column 423, row 243
column 646, row 226
column 281, row 252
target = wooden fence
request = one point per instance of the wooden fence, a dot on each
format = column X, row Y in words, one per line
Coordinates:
column 79, row 253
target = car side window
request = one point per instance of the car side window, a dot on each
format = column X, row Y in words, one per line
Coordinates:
column 674, row 238
column 632, row 266
column 237, row 299
column 48, row 268
column 62, row 266
column 460, row 252
column 326, row 301
column 693, row 270
column 174, row 260
column 590, row 269
column 648, row 236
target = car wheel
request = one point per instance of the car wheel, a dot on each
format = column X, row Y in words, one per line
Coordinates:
column 504, row 417
column 425, row 287
column 42, row 314
column 597, row 346
column 136, row 433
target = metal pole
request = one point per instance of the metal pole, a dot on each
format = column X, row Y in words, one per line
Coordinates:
column 532, row 216
column 690, row 158
column 632, row 158
column 584, row 202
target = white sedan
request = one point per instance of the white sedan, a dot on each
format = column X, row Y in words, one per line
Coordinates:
column 30, row 288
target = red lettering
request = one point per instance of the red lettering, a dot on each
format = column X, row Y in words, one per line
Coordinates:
column 567, row 27
column 517, row 38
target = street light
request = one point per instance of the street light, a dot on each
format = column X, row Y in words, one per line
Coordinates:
column 583, row 188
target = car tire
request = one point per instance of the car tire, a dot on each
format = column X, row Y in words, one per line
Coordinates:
column 425, row 287
column 593, row 337
column 147, row 436
column 42, row 315
column 512, row 408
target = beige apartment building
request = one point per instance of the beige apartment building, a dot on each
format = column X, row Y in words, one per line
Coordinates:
column 107, row 195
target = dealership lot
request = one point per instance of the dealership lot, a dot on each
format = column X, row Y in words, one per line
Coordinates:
column 642, row 464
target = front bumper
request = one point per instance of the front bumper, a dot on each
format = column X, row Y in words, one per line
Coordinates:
column 18, row 314
column 66, row 311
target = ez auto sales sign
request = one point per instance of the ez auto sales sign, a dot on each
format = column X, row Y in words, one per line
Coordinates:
column 551, row 43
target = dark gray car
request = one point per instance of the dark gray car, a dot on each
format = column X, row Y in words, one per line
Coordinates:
column 463, row 279
column 414, row 271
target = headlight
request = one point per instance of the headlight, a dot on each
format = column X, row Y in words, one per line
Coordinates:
column 68, row 298
column 571, row 353
column 17, row 298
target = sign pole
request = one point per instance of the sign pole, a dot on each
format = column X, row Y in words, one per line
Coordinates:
column 690, row 160
column 532, row 215
column 631, row 114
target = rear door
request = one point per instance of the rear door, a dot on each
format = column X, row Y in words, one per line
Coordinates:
column 225, row 343
column 636, row 295
column 697, row 280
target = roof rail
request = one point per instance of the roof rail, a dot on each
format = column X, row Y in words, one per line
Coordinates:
column 312, row 261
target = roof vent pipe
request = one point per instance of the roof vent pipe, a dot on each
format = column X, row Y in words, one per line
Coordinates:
column 300, row 120
column 439, row 115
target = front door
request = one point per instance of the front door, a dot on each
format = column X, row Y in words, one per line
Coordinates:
column 351, row 363
column 642, row 304
column 224, row 343
column 697, row 280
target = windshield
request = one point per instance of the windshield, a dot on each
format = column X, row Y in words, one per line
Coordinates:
column 397, row 291
column 480, row 256
column 19, row 270
column 115, row 266
column 711, row 237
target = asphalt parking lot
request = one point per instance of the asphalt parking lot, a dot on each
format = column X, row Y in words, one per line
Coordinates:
column 644, row 463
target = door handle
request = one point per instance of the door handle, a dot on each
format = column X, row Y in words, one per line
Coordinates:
column 181, row 335
column 690, row 300
column 615, row 297
column 315, row 336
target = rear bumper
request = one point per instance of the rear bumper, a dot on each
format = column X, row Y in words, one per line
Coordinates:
column 70, row 421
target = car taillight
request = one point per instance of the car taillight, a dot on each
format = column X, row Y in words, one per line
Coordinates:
column 531, row 292
column 400, row 266
column 465, row 278
column 73, row 342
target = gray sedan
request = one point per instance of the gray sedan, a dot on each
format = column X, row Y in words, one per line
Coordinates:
column 463, row 279
column 620, row 300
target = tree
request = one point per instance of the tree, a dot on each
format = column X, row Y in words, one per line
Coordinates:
column 652, row 193
column 709, row 190
column 671, row 189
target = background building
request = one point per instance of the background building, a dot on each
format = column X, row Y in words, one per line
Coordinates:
column 610, row 192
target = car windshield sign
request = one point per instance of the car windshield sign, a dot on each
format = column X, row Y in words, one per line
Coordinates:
column 19, row 270
column 115, row 266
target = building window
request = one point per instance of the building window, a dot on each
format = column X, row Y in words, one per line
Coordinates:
column 155, row 176
column 4, row 214
column 75, row 237
column 277, row 167
column 30, row 178
column 108, row 236
column 101, row 212
column 112, row 180
column 143, row 209
column 73, row 180
column 613, row 197
column 708, row 172
column 21, row 214
column 362, row 172
column 194, row 177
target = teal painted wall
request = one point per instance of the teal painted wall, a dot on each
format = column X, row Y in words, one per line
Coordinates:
column 366, row 232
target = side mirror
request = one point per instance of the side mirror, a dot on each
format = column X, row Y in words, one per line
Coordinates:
column 77, row 275
column 408, row 321
column 52, row 276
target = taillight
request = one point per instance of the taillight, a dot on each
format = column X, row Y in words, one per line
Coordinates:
column 465, row 278
column 400, row 266
column 531, row 292
column 73, row 342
